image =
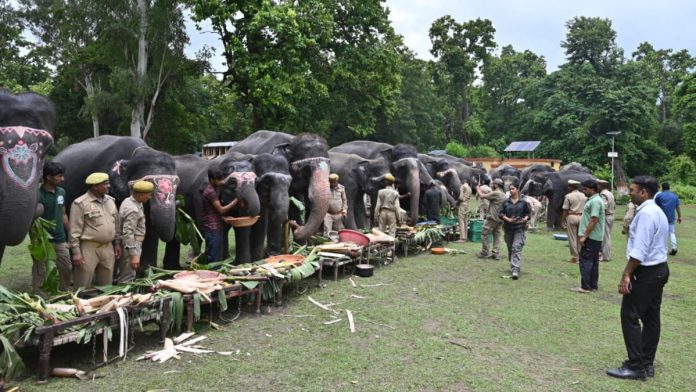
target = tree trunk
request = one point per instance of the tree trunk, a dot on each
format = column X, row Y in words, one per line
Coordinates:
column 89, row 89
column 138, row 113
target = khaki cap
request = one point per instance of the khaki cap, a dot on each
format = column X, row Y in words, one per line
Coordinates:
column 573, row 182
column 333, row 176
column 143, row 187
column 604, row 182
column 96, row 178
column 389, row 177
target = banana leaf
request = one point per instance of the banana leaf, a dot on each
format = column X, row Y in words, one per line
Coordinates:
column 11, row 363
column 42, row 251
column 186, row 231
column 298, row 204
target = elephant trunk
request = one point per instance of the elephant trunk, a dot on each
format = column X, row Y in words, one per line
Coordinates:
column 163, row 206
column 247, row 193
column 17, row 205
column 319, row 194
column 279, row 205
column 413, row 186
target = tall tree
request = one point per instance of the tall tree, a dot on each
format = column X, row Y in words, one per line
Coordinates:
column 460, row 49
column 508, row 80
column 685, row 111
column 21, row 65
column 592, row 41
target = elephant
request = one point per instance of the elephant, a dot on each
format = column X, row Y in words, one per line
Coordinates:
column 127, row 159
column 474, row 175
column 403, row 163
column 575, row 166
column 360, row 177
column 440, row 169
column 240, row 181
column 27, row 123
column 308, row 159
column 527, row 172
column 553, row 185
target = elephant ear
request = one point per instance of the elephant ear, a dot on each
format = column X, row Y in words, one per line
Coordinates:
column 118, row 177
column 281, row 149
column 387, row 152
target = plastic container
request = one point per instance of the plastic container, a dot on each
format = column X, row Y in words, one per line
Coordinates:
column 356, row 237
column 475, row 229
column 295, row 259
column 447, row 221
column 241, row 221
column 560, row 237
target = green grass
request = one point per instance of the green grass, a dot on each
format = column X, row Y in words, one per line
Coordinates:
column 438, row 323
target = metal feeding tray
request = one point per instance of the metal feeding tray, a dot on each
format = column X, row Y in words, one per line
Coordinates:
column 560, row 237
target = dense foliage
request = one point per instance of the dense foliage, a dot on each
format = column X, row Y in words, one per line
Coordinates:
column 337, row 68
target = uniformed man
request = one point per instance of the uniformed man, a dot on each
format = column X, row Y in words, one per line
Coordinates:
column 132, row 217
column 628, row 218
column 494, row 223
column 463, row 211
column 387, row 207
column 338, row 206
column 609, row 208
column 573, row 204
column 94, row 238
column 535, row 208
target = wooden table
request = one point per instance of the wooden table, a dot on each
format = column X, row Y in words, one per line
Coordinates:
column 46, row 337
column 231, row 291
column 337, row 261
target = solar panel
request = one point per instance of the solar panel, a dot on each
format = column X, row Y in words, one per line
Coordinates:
column 522, row 146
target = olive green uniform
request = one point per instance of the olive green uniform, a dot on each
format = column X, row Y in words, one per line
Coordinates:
column 93, row 228
column 493, row 223
column 338, row 207
column 463, row 210
column 574, row 203
column 132, row 217
column 387, row 209
column 609, row 208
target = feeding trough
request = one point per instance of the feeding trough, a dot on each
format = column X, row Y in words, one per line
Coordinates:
column 240, row 221
column 560, row 237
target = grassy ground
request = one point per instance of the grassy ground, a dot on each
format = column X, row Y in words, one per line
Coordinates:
column 436, row 323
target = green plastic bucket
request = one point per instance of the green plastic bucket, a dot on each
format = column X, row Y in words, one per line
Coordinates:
column 475, row 229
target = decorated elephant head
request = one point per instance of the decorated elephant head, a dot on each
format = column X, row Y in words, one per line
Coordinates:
column 308, row 156
column 240, row 183
column 27, row 122
column 273, row 185
column 158, row 167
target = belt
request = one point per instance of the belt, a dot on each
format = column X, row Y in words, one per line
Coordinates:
column 575, row 213
column 386, row 209
column 97, row 244
column 140, row 238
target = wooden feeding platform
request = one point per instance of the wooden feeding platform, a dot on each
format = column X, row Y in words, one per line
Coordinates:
column 231, row 291
column 49, row 336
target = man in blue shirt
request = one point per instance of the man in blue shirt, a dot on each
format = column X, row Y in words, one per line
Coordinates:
column 669, row 202
column 642, row 282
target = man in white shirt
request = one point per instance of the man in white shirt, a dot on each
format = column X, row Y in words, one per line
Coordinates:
column 642, row 282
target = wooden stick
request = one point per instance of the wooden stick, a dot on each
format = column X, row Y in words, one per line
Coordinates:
column 358, row 296
column 312, row 300
column 376, row 323
column 459, row 344
column 352, row 282
column 332, row 321
column 351, row 323
column 183, row 337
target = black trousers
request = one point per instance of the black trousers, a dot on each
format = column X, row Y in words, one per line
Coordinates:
column 589, row 264
column 643, row 305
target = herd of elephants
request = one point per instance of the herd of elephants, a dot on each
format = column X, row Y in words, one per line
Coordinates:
column 263, row 170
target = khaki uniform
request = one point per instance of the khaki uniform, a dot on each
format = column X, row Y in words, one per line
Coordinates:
column 628, row 218
column 93, row 224
column 493, row 223
column 387, row 209
column 609, row 208
column 574, row 203
column 132, row 217
column 338, row 207
column 463, row 211
column 483, row 203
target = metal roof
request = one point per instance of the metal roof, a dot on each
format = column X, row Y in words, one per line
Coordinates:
column 438, row 152
column 522, row 146
column 220, row 144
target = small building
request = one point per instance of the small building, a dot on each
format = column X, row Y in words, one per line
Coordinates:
column 493, row 163
column 215, row 149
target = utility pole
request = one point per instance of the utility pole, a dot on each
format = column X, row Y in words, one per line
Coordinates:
column 613, row 155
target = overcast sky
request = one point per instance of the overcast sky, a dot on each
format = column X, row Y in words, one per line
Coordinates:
column 537, row 25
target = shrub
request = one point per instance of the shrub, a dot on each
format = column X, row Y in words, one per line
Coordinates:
column 686, row 193
column 682, row 169
column 479, row 151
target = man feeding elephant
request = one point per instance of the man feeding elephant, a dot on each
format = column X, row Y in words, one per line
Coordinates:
column 338, row 206
column 132, row 217
column 387, row 207
column 94, row 238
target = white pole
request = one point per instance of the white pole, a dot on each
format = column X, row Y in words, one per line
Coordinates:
column 612, row 164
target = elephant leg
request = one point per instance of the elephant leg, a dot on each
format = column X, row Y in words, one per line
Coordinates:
column 226, row 243
column 241, row 245
column 148, row 258
column 171, row 255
